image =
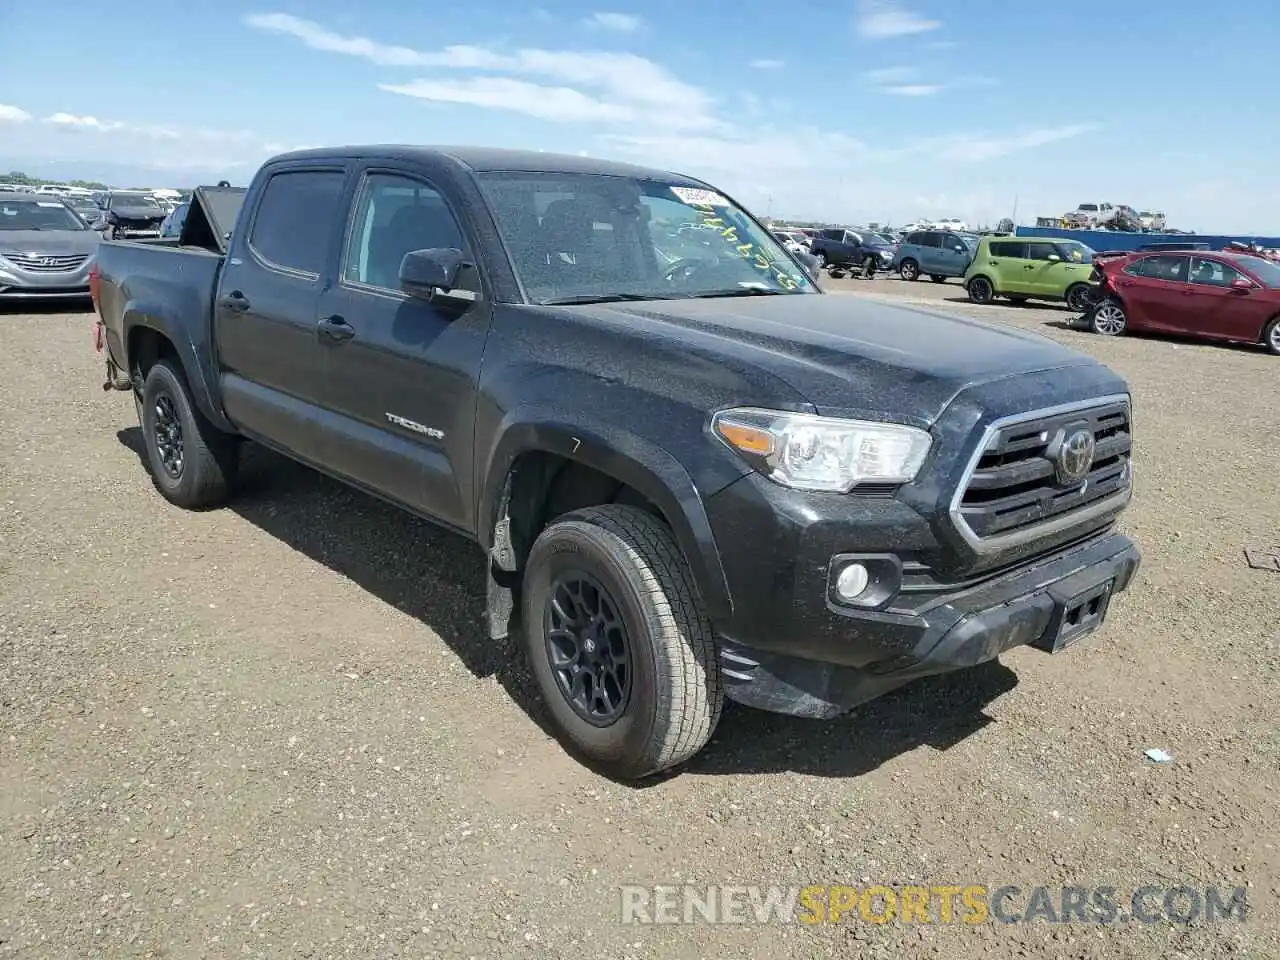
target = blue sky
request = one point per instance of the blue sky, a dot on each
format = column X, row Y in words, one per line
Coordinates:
column 837, row 109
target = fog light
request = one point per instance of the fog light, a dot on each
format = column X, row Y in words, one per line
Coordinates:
column 852, row 581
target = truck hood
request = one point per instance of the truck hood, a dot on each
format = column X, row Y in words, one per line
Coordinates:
column 139, row 213
column 851, row 355
column 49, row 242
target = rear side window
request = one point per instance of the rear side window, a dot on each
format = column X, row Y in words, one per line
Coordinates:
column 1010, row 249
column 295, row 219
column 930, row 239
column 915, row 239
column 1170, row 268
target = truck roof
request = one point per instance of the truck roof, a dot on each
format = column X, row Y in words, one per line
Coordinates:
column 492, row 159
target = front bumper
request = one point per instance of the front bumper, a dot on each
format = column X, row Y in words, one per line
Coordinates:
column 19, row 284
column 792, row 647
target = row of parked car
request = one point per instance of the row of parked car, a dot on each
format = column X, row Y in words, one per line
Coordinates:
column 1231, row 295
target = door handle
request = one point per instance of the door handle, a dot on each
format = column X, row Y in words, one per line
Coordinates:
column 336, row 329
column 1029, row 266
column 1188, row 292
column 235, row 301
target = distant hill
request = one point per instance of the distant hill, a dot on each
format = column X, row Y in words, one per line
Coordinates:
column 120, row 174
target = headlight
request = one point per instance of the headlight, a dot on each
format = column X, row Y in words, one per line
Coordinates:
column 808, row 452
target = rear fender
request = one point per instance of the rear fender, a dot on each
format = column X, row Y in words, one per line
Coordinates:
column 139, row 314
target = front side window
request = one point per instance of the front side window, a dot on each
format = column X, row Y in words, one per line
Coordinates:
column 295, row 219
column 393, row 216
column 1042, row 251
column 575, row 237
column 1172, row 269
column 1213, row 273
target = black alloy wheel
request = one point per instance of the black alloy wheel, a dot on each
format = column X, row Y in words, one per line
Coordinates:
column 588, row 648
column 167, row 430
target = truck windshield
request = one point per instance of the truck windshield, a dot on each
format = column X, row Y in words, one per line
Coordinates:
column 38, row 215
column 132, row 200
column 577, row 238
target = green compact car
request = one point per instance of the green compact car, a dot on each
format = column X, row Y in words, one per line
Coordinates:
column 1025, row 269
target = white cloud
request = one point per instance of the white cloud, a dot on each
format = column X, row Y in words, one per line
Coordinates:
column 912, row 89
column 622, row 77
column 12, row 114
column 886, row 19
column 766, row 64
column 626, row 106
column 86, row 122
column 557, row 104
column 621, row 22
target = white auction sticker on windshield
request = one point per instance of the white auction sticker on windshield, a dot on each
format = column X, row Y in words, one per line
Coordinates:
column 695, row 196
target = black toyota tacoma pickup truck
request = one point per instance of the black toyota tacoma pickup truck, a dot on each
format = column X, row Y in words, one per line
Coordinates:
column 693, row 475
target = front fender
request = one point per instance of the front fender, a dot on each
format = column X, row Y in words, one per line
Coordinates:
column 632, row 459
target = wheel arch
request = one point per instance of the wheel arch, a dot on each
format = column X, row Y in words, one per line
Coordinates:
column 541, row 469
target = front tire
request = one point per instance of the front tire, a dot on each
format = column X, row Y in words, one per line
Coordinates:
column 980, row 290
column 909, row 270
column 623, row 653
column 1108, row 318
column 1271, row 337
column 1079, row 297
column 192, row 463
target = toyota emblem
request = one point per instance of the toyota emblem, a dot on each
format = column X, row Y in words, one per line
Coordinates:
column 1074, row 459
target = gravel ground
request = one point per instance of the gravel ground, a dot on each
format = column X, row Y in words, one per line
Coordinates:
column 277, row 730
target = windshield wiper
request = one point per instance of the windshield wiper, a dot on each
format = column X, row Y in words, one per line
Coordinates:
column 595, row 298
column 739, row 292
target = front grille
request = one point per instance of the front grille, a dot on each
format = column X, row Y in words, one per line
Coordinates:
column 1012, row 489
column 39, row 263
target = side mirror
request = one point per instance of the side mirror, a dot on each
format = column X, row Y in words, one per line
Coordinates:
column 423, row 273
column 1241, row 285
column 1054, row 258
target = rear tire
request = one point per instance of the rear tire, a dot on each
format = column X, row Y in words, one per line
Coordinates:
column 1109, row 318
column 980, row 290
column 192, row 462
column 909, row 270
column 1271, row 338
column 635, row 604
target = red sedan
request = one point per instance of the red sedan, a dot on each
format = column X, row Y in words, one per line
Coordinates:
column 1222, row 296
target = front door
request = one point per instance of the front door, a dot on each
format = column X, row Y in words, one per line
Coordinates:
column 264, row 321
column 1216, row 308
column 1045, row 277
column 400, row 373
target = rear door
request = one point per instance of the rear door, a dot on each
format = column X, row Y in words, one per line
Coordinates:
column 1216, row 308
column 265, row 307
column 400, row 373
column 1010, row 263
column 929, row 251
column 1152, row 290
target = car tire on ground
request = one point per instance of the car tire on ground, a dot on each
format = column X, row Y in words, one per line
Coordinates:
column 980, row 290
column 937, row 278
column 822, row 259
column 909, row 270
column 1108, row 318
column 1271, row 336
column 1079, row 297
column 623, row 653
column 192, row 462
